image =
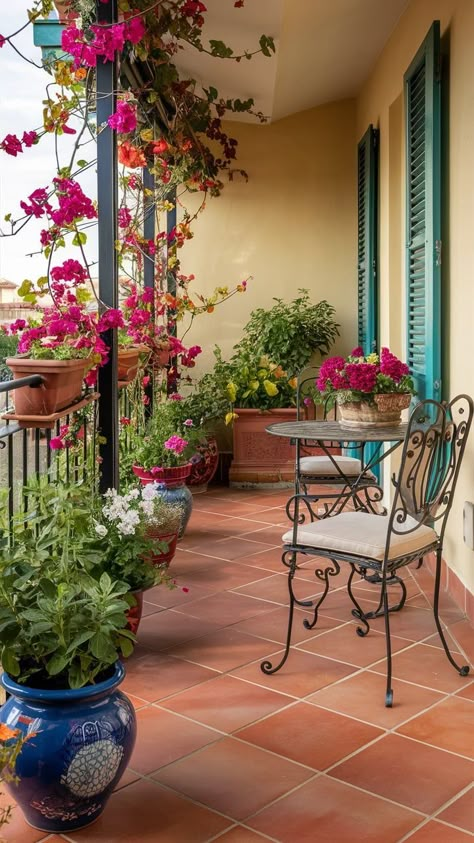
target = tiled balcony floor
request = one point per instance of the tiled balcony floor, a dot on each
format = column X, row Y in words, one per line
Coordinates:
column 226, row 753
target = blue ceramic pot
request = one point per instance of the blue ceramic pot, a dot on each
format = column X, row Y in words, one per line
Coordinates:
column 180, row 494
column 81, row 742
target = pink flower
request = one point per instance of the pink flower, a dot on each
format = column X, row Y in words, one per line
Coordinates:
column 188, row 423
column 392, row 366
column 2, row 41
column 134, row 30
column 125, row 118
column 70, row 270
column 56, row 443
column 110, row 319
column 357, row 352
column 124, row 217
column 175, row 397
column 11, row 145
column 176, row 444
column 29, row 138
column 125, row 421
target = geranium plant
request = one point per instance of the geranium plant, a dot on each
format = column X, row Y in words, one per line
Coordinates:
column 359, row 378
column 169, row 441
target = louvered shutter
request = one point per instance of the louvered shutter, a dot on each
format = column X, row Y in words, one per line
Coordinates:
column 367, row 229
column 423, row 216
column 367, row 155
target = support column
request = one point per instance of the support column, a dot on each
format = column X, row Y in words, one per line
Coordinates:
column 171, row 220
column 149, row 231
column 107, row 191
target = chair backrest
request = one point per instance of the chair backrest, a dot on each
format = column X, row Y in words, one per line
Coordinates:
column 431, row 458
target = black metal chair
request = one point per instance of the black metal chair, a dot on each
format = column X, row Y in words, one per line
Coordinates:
column 331, row 469
column 431, row 458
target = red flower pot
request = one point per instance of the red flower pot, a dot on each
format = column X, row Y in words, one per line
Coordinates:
column 171, row 540
column 168, row 476
column 204, row 468
column 134, row 613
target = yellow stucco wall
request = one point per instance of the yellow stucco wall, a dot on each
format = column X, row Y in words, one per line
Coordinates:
column 294, row 224
column 380, row 103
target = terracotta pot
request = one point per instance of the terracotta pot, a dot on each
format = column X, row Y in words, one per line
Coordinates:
column 171, row 539
column 260, row 458
column 134, row 613
column 385, row 411
column 161, row 358
column 61, row 388
column 204, row 468
column 170, row 476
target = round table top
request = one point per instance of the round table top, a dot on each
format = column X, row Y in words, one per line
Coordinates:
column 333, row 430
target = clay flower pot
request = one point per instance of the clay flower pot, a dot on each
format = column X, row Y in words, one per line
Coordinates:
column 259, row 458
column 204, row 468
column 162, row 535
column 62, row 385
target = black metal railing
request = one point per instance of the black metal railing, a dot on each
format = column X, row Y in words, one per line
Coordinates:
column 26, row 452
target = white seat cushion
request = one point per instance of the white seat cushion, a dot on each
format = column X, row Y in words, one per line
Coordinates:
column 319, row 466
column 363, row 535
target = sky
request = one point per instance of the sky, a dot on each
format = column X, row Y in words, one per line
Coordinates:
column 21, row 94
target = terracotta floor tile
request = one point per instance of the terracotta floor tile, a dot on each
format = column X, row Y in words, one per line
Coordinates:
column 240, row 834
column 363, row 696
column 411, row 623
column 274, row 623
column 167, row 598
column 344, row 643
column 437, row 832
column 337, row 604
column 463, row 633
column 233, row 777
column 302, row 674
column 187, row 563
column 460, row 812
column 271, row 534
column 225, row 576
column 237, row 548
column 150, row 609
column 426, row 666
column 467, row 691
column 226, row 649
column 147, row 813
column 154, row 676
column 267, row 560
column 275, row 588
column 394, row 766
column 449, row 725
column 225, row 608
column 169, row 628
column 128, row 777
column 234, row 508
column 136, row 701
column 272, row 515
column 163, row 737
column 327, row 811
column 310, row 735
column 226, row 703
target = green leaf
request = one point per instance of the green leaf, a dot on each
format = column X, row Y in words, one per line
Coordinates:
column 79, row 239
column 10, row 662
column 82, row 163
column 57, row 663
column 126, row 647
column 218, row 48
column 267, row 45
column 78, row 640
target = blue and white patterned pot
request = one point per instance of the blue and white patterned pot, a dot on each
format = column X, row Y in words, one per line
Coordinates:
column 81, row 742
column 180, row 494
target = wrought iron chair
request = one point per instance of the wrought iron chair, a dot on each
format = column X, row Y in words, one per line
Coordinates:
column 431, row 458
column 331, row 468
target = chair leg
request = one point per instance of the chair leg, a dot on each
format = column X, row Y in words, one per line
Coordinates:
column 267, row 666
column 357, row 612
column 388, row 644
column 464, row 670
column 323, row 575
column 375, row 579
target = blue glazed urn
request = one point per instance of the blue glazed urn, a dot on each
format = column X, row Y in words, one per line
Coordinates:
column 80, row 743
column 180, row 494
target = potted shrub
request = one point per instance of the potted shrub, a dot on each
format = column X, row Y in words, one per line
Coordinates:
column 370, row 390
column 61, row 634
column 163, row 454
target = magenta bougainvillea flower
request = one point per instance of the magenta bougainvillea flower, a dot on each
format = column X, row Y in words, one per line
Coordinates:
column 360, row 377
column 11, row 145
column 124, row 120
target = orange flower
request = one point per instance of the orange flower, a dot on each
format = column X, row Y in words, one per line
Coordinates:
column 6, row 733
column 279, row 372
column 293, row 383
column 130, row 156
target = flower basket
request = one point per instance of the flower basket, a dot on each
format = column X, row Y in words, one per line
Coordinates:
column 169, row 476
column 62, row 385
column 386, row 410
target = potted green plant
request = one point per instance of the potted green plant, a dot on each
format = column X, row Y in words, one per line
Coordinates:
column 62, row 632
column 369, row 390
column 163, row 456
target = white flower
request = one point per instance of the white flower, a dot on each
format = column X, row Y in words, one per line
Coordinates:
column 147, row 507
column 149, row 492
column 100, row 529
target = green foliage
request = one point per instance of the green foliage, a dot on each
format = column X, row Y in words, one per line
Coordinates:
column 167, row 421
column 258, row 383
column 290, row 333
column 8, row 346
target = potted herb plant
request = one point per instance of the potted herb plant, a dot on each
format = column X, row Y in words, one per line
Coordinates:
column 61, row 634
column 369, row 390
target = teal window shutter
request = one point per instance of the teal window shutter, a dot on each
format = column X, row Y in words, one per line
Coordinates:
column 367, row 190
column 367, row 253
column 422, row 83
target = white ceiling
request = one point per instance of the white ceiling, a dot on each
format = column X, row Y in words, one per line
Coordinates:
column 325, row 50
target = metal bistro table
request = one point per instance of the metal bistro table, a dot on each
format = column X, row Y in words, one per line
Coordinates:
column 361, row 491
